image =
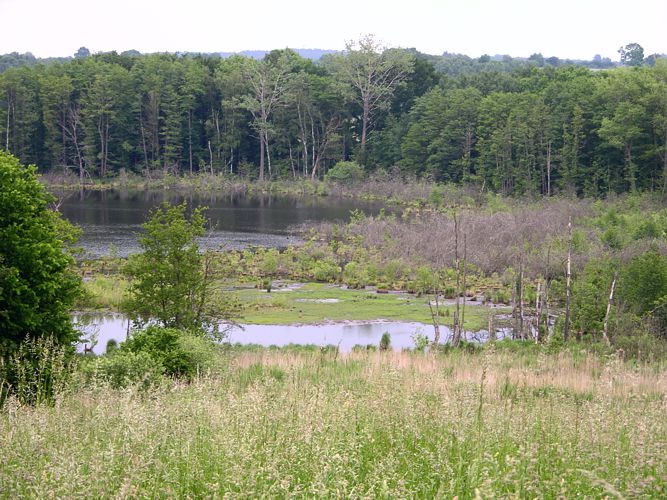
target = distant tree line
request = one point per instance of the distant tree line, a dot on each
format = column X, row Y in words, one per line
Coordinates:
column 532, row 126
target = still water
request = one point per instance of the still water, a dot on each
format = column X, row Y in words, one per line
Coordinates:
column 103, row 328
column 110, row 220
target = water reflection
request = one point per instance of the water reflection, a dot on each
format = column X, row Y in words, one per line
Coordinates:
column 112, row 218
column 98, row 329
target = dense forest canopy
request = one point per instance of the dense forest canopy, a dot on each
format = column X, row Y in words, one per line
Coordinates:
column 539, row 125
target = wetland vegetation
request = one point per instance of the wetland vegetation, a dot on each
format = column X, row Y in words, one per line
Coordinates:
column 526, row 204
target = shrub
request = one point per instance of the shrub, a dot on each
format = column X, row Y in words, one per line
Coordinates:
column 112, row 345
column 180, row 353
column 345, row 172
column 644, row 281
column 643, row 346
column 420, row 341
column 123, row 368
column 325, row 271
column 385, row 342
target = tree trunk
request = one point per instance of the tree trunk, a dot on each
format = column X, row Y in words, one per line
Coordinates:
column 210, row 156
column 664, row 159
column 291, row 161
column 538, row 311
column 190, row 138
column 549, row 168
column 268, row 152
column 261, row 156
column 456, row 331
column 568, row 285
column 218, row 146
column 364, row 123
column 522, row 330
column 103, row 132
column 546, row 295
column 435, row 317
column 304, row 141
column 463, row 307
column 605, row 330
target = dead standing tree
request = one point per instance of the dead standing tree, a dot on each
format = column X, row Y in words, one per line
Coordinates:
column 456, row 327
column 605, row 330
column 568, row 282
column 267, row 82
column 435, row 315
column 465, row 291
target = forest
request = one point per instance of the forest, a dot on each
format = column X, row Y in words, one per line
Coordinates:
column 538, row 126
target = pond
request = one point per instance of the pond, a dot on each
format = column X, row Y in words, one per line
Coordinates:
column 345, row 335
column 111, row 219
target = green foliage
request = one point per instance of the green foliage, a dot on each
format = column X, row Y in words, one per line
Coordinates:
column 345, row 172
column 100, row 292
column 426, row 280
column 36, row 372
column 37, row 283
column 180, row 354
column 632, row 54
column 641, row 346
column 122, row 368
column 644, row 282
column 112, row 345
column 590, row 293
column 325, row 271
column 385, row 342
column 170, row 279
column 497, row 123
column 420, row 340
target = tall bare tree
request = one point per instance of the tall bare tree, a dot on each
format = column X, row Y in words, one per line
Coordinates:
column 267, row 82
column 373, row 72
column 568, row 281
column 456, row 334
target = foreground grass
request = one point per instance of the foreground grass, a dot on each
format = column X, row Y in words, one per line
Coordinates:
column 366, row 425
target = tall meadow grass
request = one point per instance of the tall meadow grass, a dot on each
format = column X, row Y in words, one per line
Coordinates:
column 384, row 424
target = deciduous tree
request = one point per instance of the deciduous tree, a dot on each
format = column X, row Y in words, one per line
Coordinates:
column 37, row 283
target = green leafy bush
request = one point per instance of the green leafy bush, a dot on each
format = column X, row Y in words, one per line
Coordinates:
column 590, row 293
column 385, row 342
column 345, row 172
column 325, row 271
column 420, row 340
column 644, row 281
column 180, row 353
column 121, row 369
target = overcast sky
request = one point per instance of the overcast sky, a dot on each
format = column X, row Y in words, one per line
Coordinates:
column 564, row 28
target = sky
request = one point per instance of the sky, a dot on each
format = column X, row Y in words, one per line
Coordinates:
column 576, row 29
